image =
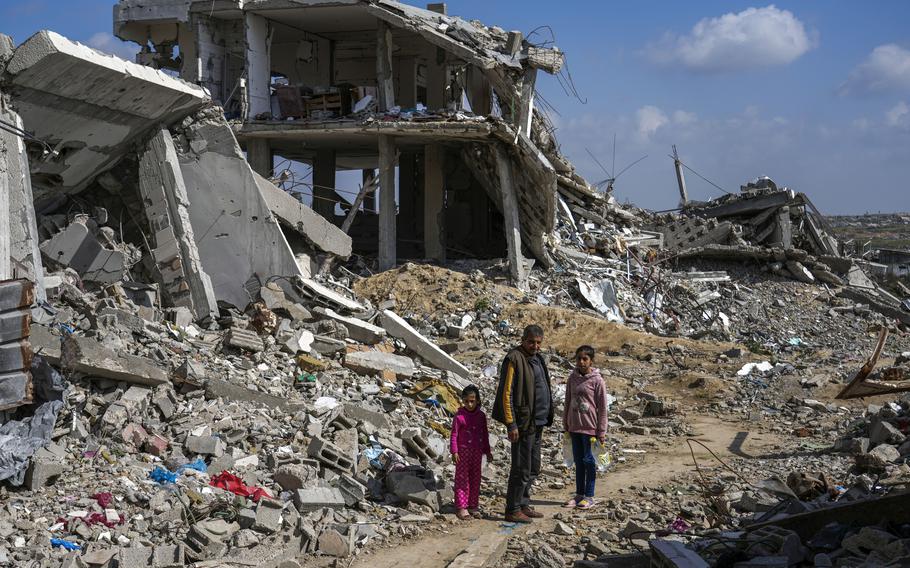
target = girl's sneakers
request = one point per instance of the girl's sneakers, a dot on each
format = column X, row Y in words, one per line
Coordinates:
column 585, row 503
column 573, row 502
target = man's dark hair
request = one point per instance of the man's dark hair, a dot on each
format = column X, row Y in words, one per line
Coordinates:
column 532, row 330
column 585, row 349
column 471, row 389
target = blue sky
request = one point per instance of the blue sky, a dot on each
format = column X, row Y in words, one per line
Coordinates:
column 815, row 95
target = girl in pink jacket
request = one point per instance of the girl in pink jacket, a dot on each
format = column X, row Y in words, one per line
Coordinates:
column 469, row 443
column 584, row 418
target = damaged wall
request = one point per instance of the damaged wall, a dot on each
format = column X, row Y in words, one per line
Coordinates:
column 236, row 234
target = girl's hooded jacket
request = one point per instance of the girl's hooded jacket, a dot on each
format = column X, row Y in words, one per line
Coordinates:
column 586, row 404
column 469, row 430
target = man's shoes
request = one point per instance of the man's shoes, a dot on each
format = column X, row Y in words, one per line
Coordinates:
column 531, row 513
column 517, row 517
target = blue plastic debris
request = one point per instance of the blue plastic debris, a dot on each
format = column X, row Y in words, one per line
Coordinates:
column 163, row 476
column 198, row 465
column 60, row 543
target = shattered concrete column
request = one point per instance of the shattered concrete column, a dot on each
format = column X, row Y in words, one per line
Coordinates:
column 259, row 155
column 176, row 255
column 19, row 253
column 526, row 106
column 387, row 233
column 324, row 196
column 433, row 202
column 384, row 82
column 237, row 235
column 258, row 65
column 783, row 232
column 510, row 217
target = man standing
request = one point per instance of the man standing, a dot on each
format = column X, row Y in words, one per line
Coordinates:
column 524, row 403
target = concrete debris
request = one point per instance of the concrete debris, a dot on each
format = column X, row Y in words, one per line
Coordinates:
column 242, row 387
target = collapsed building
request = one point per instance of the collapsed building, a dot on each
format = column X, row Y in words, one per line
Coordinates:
column 379, row 85
column 149, row 243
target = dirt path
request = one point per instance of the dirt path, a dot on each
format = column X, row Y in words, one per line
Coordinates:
column 437, row 550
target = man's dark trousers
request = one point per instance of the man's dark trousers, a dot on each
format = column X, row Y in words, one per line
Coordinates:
column 525, row 469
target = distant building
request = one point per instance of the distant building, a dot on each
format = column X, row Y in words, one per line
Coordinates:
column 897, row 261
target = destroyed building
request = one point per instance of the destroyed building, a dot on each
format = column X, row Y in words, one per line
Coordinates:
column 448, row 104
column 173, row 334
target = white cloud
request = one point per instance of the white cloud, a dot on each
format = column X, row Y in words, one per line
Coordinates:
column 899, row 116
column 650, row 118
column 684, row 117
column 755, row 37
column 103, row 41
column 886, row 69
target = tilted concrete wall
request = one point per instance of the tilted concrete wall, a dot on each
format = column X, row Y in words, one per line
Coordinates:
column 236, row 234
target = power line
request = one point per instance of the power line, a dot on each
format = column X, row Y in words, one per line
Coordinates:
column 702, row 177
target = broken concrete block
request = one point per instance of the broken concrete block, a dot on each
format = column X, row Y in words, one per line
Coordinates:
column 333, row 543
column 243, row 339
column 414, row 440
column 276, row 300
column 208, row 539
column 427, row 350
column 205, row 445
column 77, row 247
column 358, row 330
column 41, row 471
column 886, row 453
column 882, row 431
column 358, row 413
column 216, row 388
column 408, row 486
column 377, row 362
column 329, row 454
column 311, row 225
column 310, row 364
column 855, row 446
column 315, row 498
column 89, row 357
column 800, row 272
column 353, row 491
column 268, row 516
column 325, row 345
column 291, row 477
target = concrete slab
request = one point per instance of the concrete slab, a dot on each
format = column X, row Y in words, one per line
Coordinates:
column 423, row 347
column 377, row 362
column 89, row 106
column 314, row 227
column 358, row 329
column 176, row 254
column 77, row 248
column 87, row 356
column 236, row 234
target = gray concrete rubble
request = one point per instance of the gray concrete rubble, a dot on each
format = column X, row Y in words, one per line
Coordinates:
column 208, row 358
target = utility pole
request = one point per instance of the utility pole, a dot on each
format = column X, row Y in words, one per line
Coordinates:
column 680, row 179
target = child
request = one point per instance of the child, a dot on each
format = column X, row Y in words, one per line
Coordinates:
column 585, row 415
column 470, row 441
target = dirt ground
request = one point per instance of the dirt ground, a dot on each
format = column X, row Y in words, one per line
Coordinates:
column 437, row 550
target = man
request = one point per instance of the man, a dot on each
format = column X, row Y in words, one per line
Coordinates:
column 524, row 403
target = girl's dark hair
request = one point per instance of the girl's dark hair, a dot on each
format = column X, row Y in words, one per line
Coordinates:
column 585, row 349
column 469, row 390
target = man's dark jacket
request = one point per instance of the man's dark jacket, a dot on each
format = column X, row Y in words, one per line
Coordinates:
column 514, row 402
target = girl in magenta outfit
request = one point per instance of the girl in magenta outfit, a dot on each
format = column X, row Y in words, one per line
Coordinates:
column 470, row 442
column 584, row 418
